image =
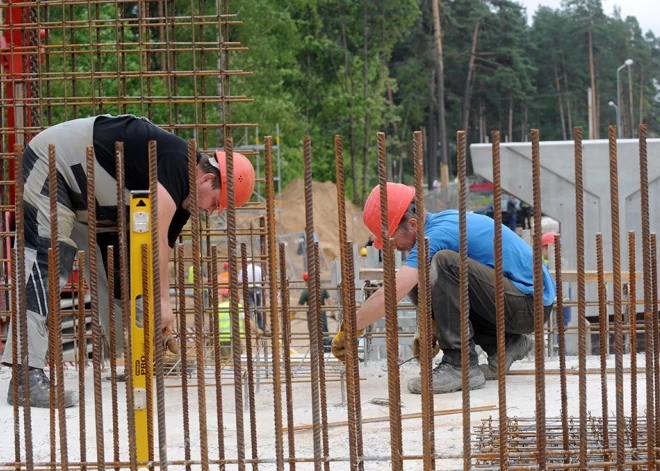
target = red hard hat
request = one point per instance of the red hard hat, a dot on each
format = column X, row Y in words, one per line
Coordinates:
column 225, row 265
column 399, row 197
column 548, row 238
column 243, row 178
column 305, row 276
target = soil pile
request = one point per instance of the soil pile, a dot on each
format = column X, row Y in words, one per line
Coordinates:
column 326, row 220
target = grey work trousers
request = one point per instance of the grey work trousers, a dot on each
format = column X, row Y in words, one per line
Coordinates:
column 445, row 299
column 37, row 331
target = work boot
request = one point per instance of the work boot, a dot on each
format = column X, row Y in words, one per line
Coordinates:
column 39, row 390
column 447, row 378
column 517, row 348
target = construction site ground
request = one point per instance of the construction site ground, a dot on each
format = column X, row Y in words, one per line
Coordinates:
column 448, row 432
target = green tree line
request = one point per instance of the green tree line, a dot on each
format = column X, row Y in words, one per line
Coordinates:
column 356, row 67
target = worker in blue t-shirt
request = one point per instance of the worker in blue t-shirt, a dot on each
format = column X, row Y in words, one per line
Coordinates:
column 442, row 231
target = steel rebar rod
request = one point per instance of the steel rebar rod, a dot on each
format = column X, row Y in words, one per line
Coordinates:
column 82, row 359
column 183, row 328
column 113, row 341
column 147, row 331
column 632, row 299
column 603, row 320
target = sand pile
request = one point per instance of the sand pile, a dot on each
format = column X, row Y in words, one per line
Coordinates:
column 326, row 221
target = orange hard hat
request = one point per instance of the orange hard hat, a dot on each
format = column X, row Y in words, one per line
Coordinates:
column 243, row 178
column 305, row 276
column 548, row 238
column 399, row 197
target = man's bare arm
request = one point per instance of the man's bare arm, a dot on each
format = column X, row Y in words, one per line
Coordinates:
column 166, row 210
column 374, row 307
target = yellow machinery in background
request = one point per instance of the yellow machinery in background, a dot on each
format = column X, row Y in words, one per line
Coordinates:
column 140, row 214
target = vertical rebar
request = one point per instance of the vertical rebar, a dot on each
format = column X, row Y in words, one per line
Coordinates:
column 349, row 320
column 125, row 300
column 648, row 295
column 313, row 335
column 562, row 346
column 464, row 295
column 656, row 343
column 392, row 335
column 16, row 377
column 217, row 354
column 582, row 319
column 147, row 330
column 55, row 309
column 618, row 303
column 273, row 292
column 113, row 344
column 199, row 307
column 94, row 303
column 539, row 358
column 53, row 368
column 424, row 308
column 286, row 350
column 157, row 297
column 22, row 307
column 632, row 303
column 249, row 361
column 319, row 329
column 499, row 303
column 603, row 320
column 82, row 356
column 183, row 342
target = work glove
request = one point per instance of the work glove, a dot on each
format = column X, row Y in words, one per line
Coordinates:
column 171, row 345
column 417, row 343
column 338, row 347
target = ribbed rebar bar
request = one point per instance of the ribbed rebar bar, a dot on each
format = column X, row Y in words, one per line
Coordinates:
column 52, row 377
column 618, row 301
column 656, row 342
column 649, row 315
column 217, row 354
column 22, row 307
column 274, row 315
column 464, row 295
column 539, row 352
column 110, row 271
column 632, row 329
column 55, row 309
column 424, row 306
column 391, row 323
column 198, row 302
column 249, row 360
column 183, row 341
column 82, row 357
column 94, row 305
column 286, row 351
column 313, row 335
column 562, row 343
column 157, row 298
column 16, row 377
column 603, row 320
column 499, row 302
column 147, row 330
column 319, row 329
column 125, row 301
column 582, row 319
column 349, row 320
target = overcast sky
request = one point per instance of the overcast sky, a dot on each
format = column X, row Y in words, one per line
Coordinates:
column 646, row 11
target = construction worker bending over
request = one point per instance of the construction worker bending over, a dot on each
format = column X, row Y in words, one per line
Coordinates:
column 442, row 231
column 71, row 139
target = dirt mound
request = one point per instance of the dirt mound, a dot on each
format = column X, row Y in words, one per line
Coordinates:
column 326, row 220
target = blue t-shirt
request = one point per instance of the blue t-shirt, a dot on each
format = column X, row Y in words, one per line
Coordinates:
column 442, row 232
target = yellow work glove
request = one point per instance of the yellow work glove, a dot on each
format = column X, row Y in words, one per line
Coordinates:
column 417, row 344
column 338, row 347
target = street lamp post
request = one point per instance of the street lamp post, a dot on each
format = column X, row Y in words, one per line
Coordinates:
column 616, row 110
column 627, row 63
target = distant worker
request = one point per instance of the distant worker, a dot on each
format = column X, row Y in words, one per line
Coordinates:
column 512, row 211
column 304, row 301
column 442, row 231
column 254, row 289
column 223, row 278
column 71, row 139
column 547, row 239
column 225, row 326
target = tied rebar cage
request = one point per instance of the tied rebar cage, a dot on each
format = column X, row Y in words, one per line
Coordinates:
column 251, row 384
